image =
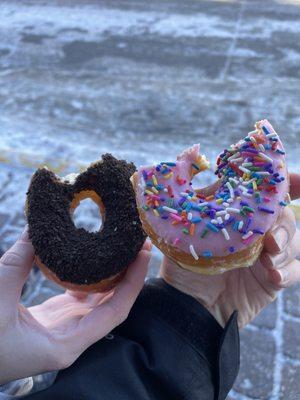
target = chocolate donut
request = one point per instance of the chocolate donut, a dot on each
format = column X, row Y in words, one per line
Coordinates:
column 74, row 257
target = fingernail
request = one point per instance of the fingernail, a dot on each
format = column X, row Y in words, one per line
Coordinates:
column 276, row 276
column 24, row 235
column 266, row 260
column 281, row 238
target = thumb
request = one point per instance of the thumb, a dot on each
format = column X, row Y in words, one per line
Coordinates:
column 295, row 186
column 15, row 266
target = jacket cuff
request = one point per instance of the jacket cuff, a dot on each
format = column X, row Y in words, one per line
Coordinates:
column 219, row 346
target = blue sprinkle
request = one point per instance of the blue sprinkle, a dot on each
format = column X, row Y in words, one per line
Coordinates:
column 265, row 209
column 196, row 220
column 266, row 131
column 244, row 203
column 231, row 249
column 145, row 175
column 207, row 254
column 259, row 231
column 229, row 221
column 188, row 207
column 280, row 151
column 169, row 164
column 212, row 227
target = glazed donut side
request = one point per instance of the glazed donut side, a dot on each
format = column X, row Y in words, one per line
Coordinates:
column 75, row 258
column 204, row 265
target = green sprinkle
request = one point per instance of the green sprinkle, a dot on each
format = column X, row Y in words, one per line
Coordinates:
column 248, row 209
column 204, row 233
column 146, row 208
column 186, row 231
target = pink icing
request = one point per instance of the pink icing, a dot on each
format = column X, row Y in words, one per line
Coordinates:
column 198, row 230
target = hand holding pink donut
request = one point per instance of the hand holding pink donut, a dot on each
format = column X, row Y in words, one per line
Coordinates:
column 247, row 290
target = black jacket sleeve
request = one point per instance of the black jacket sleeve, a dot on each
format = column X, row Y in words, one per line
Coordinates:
column 170, row 347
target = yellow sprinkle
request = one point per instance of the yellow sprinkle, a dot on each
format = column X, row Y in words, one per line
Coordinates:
column 239, row 198
column 219, row 201
column 154, row 190
column 209, row 198
column 155, row 212
column 254, row 185
column 167, row 176
column 148, row 191
column 154, row 180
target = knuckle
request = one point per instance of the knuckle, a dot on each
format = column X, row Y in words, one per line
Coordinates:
column 118, row 312
column 11, row 258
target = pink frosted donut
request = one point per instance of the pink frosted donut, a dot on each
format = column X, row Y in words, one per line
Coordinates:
column 220, row 227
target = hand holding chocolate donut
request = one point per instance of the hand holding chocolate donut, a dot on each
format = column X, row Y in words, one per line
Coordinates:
column 52, row 335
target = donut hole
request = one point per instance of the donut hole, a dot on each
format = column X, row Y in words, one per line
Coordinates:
column 87, row 211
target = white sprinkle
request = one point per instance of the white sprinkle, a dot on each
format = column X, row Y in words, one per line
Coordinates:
column 233, row 210
column 225, row 204
column 170, row 210
column 264, row 173
column 184, row 194
column 243, row 189
column 246, row 194
column 240, row 226
column 271, row 135
column 193, row 253
column 236, row 155
column 253, row 132
column 227, row 216
column 165, row 190
column 261, row 147
column 265, row 157
column 228, row 185
column 234, row 180
column 247, row 171
column 241, row 179
column 247, row 164
column 247, row 235
column 205, row 203
column 247, row 182
column 230, row 201
column 219, row 219
column 225, row 233
column 253, row 140
column 189, row 216
column 214, row 221
column 218, row 213
column 237, row 160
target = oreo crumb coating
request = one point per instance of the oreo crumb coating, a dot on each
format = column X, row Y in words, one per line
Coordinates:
column 76, row 255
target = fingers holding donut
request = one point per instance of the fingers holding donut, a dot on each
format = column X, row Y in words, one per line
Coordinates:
column 282, row 246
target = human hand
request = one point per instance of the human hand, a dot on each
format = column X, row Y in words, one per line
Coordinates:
column 52, row 335
column 247, row 290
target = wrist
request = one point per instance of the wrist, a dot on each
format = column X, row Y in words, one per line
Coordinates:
column 206, row 289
